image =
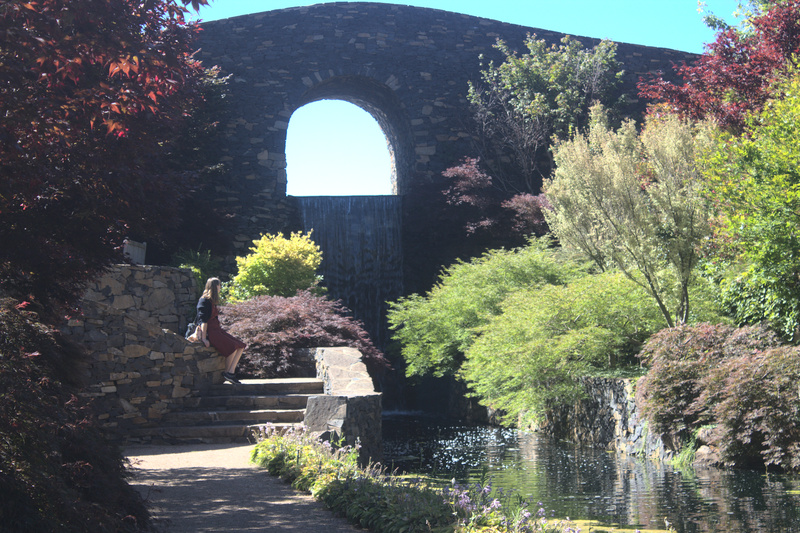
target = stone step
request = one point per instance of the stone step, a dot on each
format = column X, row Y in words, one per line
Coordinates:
column 269, row 387
column 256, row 416
column 275, row 401
column 234, row 412
column 214, row 434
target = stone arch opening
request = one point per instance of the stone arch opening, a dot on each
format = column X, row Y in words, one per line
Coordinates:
column 335, row 148
column 384, row 106
column 409, row 67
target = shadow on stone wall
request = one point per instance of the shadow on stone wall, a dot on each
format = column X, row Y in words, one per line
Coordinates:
column 139, row 368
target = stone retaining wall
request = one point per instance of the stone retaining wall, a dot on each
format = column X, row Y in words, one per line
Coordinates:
column 351, row 407
column 609, row 418
column 139, row 366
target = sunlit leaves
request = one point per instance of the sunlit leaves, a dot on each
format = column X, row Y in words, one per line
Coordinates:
column 436, row 329
column 531, row 355
column 755, row 182
column 733, row 77
column 88, row 92
column 277, row 266
column 632, row 201
column 518, row 106
column 521, row 103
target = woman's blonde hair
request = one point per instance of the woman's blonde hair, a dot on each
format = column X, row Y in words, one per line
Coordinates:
column 212, row 290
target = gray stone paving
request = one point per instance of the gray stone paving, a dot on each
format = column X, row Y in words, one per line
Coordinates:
column 206, row 488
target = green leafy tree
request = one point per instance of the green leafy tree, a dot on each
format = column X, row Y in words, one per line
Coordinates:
column 277, row 266
column 531, row 355
column 634, row 202
column 754, row 180
column 518, row 107
column 436, row 329
column 522, row 103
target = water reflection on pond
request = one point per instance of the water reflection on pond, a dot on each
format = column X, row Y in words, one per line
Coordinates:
column 589, row 483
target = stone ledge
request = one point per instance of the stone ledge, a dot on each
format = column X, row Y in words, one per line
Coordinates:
column 350, row 408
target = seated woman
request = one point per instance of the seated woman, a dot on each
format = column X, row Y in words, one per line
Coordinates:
column 210, row 332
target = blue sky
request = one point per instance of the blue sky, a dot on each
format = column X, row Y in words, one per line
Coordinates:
column 322, row 135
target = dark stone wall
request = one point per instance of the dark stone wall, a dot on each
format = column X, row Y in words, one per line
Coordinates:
column 608, row 417
column 407, row 66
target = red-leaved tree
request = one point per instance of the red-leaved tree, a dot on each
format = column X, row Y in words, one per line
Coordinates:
column 490, row 209
column 734, row 75
column 91, row 94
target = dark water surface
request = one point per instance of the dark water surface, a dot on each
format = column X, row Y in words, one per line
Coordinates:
column 592, row 484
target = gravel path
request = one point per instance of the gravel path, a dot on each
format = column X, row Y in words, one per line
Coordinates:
column 208, row 488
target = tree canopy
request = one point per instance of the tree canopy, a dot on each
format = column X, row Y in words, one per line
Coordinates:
column 734, row 75
column 436, row 329
column 91, row 92
column 755, row 183
column 518, row 106
column 530, row 356
column 633, row 202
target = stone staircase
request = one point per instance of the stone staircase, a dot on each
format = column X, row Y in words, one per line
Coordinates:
column 231, row 413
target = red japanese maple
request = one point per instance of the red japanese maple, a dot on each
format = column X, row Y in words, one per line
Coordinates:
column 734, row 75
column 90, row 94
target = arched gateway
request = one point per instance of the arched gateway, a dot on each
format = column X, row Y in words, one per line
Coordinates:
column 407, row 66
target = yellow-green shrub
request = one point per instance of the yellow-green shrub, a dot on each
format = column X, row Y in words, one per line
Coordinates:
column 277, row 266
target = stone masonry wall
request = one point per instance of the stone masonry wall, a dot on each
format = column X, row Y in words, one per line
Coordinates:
column 138, row 370
column 608, row 418
column 351, row 407
column 139, row 366
column 409, row 67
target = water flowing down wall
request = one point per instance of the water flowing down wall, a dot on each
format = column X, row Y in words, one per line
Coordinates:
column 362, row 256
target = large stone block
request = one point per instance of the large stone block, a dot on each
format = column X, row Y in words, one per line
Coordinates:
column 158, row 299
column 135, row 350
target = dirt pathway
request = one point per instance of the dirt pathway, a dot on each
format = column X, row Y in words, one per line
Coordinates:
column 214, row 488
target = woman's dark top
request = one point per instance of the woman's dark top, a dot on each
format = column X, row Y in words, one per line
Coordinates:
column 204, row 308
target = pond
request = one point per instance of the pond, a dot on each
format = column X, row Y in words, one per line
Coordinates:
column 585, row 483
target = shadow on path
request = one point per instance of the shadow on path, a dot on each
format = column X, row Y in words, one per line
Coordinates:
column 213, row 489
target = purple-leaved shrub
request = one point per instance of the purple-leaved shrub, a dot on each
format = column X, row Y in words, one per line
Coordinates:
column 741, row 381
column 758, row 411
column 274, row 327
column 58, row 472
column 673, row 395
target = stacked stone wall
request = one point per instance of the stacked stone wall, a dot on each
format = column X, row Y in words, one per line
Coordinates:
column 351, row 407
column 139, row 367
column 409, row 67
column 137, row 370
column 608, row 417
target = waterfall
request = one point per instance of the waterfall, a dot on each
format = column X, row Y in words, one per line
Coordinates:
column 362, row 259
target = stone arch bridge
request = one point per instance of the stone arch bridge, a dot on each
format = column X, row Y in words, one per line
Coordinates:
column 408, row 67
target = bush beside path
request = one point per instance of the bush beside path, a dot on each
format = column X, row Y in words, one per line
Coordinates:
column 206, row 488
